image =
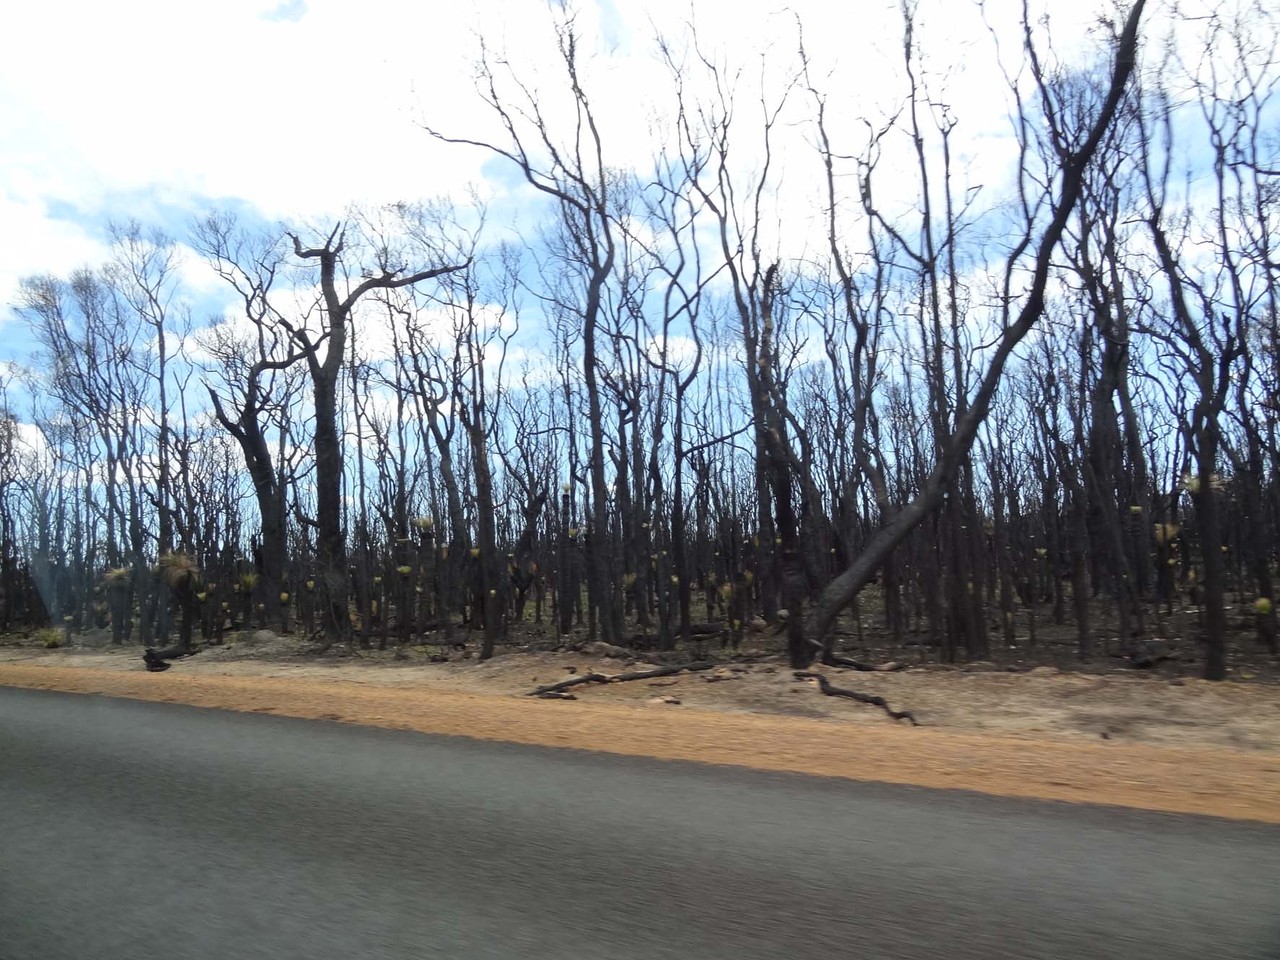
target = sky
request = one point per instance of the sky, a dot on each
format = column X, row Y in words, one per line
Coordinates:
column 293, row 110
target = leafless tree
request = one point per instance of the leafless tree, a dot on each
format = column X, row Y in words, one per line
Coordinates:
column 1074, row 162
column 573, row 173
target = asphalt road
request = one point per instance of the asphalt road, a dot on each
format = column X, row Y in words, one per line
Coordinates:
column 141, row 830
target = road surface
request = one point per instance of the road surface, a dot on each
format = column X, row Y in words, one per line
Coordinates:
column 142, row 830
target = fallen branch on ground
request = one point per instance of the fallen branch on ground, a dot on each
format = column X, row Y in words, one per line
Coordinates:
column 1148, row 661
column 825, row 686
column 571, row 682
column 158, row 660
column 835, row 660
column 174, row 653
column 623, row 677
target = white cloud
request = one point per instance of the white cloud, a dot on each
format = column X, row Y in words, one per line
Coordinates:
column 298, row 117
column 37, row 243
column 299, row 110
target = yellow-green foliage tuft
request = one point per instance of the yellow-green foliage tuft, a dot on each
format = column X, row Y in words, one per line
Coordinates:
column 117, row 578
column 50, row 638
column 178, row 570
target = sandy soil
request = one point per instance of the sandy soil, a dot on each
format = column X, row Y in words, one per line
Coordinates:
column 1189, row 747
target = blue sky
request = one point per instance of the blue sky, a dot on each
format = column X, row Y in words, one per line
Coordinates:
column 161, row 111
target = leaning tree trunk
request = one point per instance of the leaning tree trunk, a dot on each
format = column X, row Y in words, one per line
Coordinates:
column 845, row 587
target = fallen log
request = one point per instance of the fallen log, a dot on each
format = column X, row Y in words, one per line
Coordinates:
column 571, row 682
column 173, row 653
column 832, row 691
column 1149, row 661
column 624, row 677
column 835, row 660
column 157, row 661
